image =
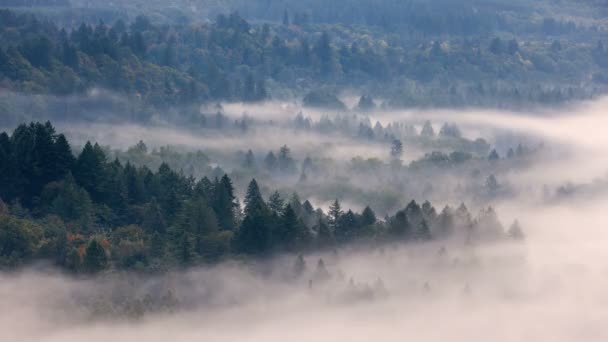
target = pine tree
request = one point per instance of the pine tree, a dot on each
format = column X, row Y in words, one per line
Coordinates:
column 368, row 217
column 95, row 259
column 270, row 162
column 249, row 162
column 321, row 273
column 8, row 169
column 299, row 267
column 253, row 197
column 515, row 232
column 254, row 235
column 427, row 130
column 69, row 201
column 347, row 228
column 325, row 236
column 285, row 161
column 276, row 203
column 154, row 221
column 334, row 214
column 90, row 170
column 423, row 232
column 366, row 103
column 64, row 159
column 45, row 156
column 396, row 149
column 224, row 203
column 134, row 185
column 291, row 232
column 197, row 219
column 399, row 226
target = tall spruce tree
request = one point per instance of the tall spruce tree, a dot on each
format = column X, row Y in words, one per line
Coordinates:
column 95, row 259
column 224, row 203
column 254, row 235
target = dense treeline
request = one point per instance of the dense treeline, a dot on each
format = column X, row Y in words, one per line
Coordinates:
column 86, row 213
column 467, row 17
column 231, row 59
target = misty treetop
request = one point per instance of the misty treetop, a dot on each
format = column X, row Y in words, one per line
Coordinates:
column 87, row 213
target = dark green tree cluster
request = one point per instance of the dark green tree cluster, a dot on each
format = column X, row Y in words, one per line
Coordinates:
column 88, row 214
column 230, row 59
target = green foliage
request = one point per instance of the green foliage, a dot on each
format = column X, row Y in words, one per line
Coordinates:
column 119, row 216
column 95, row 259
column 323, row 100
column 69, row 201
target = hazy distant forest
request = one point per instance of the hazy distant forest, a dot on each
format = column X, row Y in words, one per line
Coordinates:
column 406, row 53
column 88, row 207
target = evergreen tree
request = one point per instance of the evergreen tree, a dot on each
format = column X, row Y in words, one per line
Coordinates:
column 334, row 214
column 63, row 158
column 90, row 170
column 276, row 203
column 253, row 197
column 285, row 161
column 8, row 169
column 399, row 226
column 153, row 219
column 270, row 162
column 423, row 231
column 325, row 236
column 321, row 273
column 515, row 232
column 396, row 149
column 427, row 130
column 366, row 103
column 254, row 235
column 249, row 162
column 368, row 217
column 492, row 185
column 95, row 259
column 224, row 203
column 45, row 156
column 291, row 233
column 299, row 267
column 198, row 220
column 134, row 185
column 68, row 201
column 347, row 228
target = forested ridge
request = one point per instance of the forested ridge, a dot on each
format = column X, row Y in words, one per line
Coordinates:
column 231, row 59
column 87, row 214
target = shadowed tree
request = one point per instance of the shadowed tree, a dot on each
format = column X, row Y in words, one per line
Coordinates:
column 254, row 235
column 95, row 259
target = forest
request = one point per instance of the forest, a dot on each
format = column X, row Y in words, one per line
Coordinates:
column 168, row 64
column 87, row 213
column 303, row 170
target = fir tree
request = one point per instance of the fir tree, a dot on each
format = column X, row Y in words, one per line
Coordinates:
column 334, row 214
column 276, row 203
column 95, row 259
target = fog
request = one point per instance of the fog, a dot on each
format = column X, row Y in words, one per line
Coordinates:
column 551, row 287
